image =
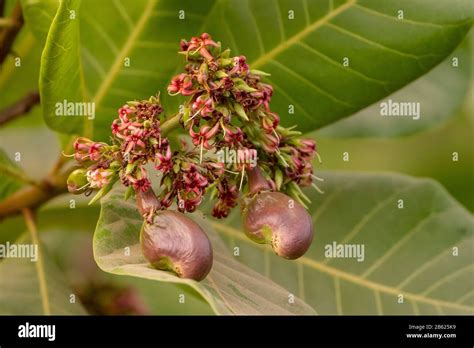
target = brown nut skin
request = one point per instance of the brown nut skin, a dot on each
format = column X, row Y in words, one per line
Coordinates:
column 174, row 242
column 269, row 218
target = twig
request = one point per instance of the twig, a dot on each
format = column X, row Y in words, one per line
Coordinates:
column 17, row 174
column 32, row 197
column 7, row 36
column 6, row 22
column 171, row 123
column 20, row 108
column 54, row 184
column 31, row 224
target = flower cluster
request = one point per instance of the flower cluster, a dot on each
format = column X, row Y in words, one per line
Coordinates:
column 227, row 106
column 99, row 167
column 188, row 181
column 221, row 88
column 137, row 134
column 136, row 140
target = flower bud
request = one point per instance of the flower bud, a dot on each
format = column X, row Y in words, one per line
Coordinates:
column 174, row 242
column 276, row 219
column 77, row 181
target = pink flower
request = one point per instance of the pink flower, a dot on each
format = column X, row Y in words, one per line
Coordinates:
column 270, row 122
column 99, row 177
column 232, row 135
column 181, row 84
column 264, row 96
column 94, row 151
column 86, row 149
column 203, row 105
column 136, row 138
column 307, row 147
column 142, row 184
column 193, row 179
column 270, row 142
column 164, row 162
column 124, row 111
column 188, row 200
column 205, row 134
column 228, row 194
column 240, row 66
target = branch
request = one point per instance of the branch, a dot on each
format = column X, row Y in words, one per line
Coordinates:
column 20, row 108
column 7, row 37
column 170, row 124
column 32, row 197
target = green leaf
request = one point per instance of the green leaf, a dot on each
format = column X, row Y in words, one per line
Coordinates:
column 240, row 111
column 145, row 33
column 10, row 176
column 230, row 288
column 408, row 251
column 61, row 79
column 20, row 287
column 440, row 93
column 38, row 16
column 304, row 55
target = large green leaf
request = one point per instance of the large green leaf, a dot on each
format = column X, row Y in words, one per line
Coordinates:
column 440, row 93
column 408, row 251
column 38, row 15
column 230, row 288
column 20, row 286
column 304, row 54
column 111, row 32
column 61, row 77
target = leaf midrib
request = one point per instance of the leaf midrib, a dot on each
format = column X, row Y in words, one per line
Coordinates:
column 337, row 273
column 265, row 58
column 126, row 48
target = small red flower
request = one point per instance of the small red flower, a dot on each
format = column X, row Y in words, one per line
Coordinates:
column 205, row 134
column 240, row 66
column 203, row 105
column 181, row 84
column 164, row 162
column 270, row 122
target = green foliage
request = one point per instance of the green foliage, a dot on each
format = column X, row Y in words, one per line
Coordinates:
column 10, row 176
column 440, row 93
column 20, row 292
column 304, row 55
column 61, row 75
column 408, row 251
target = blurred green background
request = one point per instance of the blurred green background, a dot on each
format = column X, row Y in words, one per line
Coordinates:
column 68, row 233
